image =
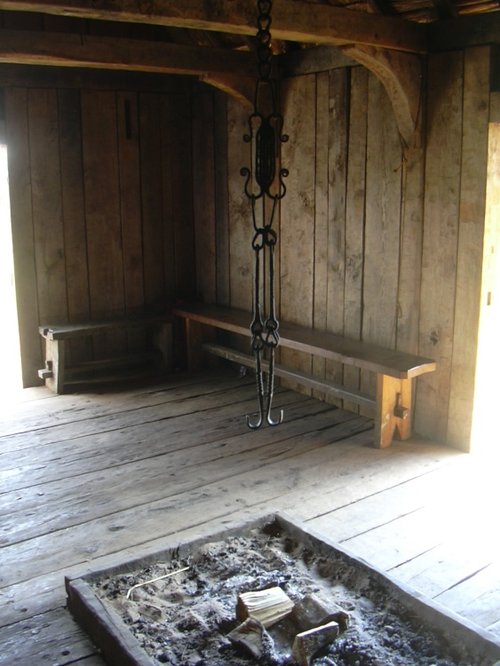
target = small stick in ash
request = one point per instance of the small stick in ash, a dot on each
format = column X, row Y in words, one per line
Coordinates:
column 153, row 580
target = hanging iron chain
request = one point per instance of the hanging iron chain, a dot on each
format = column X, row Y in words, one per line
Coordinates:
column 264, row 50
column 264, row 188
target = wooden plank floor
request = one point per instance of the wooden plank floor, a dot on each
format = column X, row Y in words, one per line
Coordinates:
column 85, row 478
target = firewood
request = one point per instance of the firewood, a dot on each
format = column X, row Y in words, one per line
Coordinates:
column 268, row 606
column 249, row 636
column 308, row 643
column 312, row 611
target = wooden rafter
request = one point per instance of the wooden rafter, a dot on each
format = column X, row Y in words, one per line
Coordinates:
column 67, row 50
column 293, row 21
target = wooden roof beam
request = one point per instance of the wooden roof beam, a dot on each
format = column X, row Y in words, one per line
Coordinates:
column 70, row 50
column 292, row 21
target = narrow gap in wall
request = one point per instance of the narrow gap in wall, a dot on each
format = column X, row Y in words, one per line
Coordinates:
column 9, row 330
column 485, row 438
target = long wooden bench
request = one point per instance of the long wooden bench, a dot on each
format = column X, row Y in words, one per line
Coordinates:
column 395, row 371
column 55, row 373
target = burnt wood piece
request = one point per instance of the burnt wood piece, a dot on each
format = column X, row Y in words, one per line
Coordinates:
column 55, row 372
column 394, row 370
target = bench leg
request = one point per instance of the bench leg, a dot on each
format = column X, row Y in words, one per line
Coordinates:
column 194, row 340
column 393, row 411
column 196, row 335
column 54, row 358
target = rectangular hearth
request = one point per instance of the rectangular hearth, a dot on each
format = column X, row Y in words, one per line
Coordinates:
column 179, row 607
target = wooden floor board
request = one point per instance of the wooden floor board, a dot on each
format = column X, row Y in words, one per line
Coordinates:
column 73, row 500
column 130, row 443
column 50, row 638
column 95, row 479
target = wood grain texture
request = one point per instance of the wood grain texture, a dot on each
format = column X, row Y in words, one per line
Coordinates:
column 204, row 196
column 473, row 182
column 105, row 499
column 72, row 191
column 309, row 341
column 383, row 197
column 222, row 177
column 320, row 305
column 439, row 259
column 337, row 185
column 326, row 25
column 239, row 210
column 151, row 191
column 297, row 211
column 47, row 205
column 355, row 216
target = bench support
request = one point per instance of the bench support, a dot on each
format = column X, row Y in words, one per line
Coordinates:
column 54, row 361
column 60, row 379
column 393, row 416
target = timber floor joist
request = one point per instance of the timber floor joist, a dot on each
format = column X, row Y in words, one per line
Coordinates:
column 93, row 478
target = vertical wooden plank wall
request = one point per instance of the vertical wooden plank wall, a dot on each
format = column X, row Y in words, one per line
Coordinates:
column 453, row 231
column 472, row 211
column 101, row 203
column 378, row 242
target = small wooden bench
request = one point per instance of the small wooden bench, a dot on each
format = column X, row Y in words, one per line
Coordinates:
column 395, row 370
column 55, row 373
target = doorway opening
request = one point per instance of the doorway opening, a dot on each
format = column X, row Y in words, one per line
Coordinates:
column 9, row 329
column 485, row 436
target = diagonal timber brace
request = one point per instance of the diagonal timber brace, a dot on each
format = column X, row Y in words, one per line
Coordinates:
column 402, row 77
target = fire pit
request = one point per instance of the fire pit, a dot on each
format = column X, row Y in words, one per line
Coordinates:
column 183, row 607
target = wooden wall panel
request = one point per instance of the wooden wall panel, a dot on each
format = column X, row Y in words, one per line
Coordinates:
column 152, row 196
column 73, row 205
column 129, row 171
column 46, row 199
column 355, row 217
column 204, row 197
column 382, row 226
column 239, row 211
column 101, row 199
column 221, row 200
column 102, row 211
column 296, row 244
column 321, row 217
column 178, row 155
column 337, row 186
column 439, row 261
column 473, row 182
column 377, row 241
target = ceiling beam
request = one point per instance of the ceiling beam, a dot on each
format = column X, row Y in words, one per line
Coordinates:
column 68, row 50
column 292, row 21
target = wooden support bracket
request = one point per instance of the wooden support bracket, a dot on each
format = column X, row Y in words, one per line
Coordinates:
column 393, row 414
column 242, row 88
column 402, row 77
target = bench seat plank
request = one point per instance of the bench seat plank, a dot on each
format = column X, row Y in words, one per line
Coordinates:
column 320, row 343
column 70, row 331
